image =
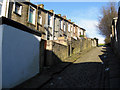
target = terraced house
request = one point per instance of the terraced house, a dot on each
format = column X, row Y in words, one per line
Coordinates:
column 33, row 38
column 51, row 25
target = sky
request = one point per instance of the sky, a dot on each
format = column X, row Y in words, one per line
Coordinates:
column 84, row 14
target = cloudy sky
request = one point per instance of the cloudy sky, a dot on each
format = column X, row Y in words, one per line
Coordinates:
column 84, row 14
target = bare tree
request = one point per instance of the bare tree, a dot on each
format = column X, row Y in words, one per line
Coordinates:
column 108, row 13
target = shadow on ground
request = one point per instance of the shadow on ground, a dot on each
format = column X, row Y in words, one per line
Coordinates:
column 78, row 75
column 112, row 68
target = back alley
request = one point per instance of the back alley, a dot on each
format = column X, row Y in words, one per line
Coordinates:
column 91, row 70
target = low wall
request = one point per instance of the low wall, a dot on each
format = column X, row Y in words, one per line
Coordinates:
column 60, row 51
column 56, row 52
column 20, row 56
column 82, row 44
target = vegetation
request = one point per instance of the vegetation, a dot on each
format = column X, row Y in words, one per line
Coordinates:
column 101, row 44
column 81, row 35
column 108, row 13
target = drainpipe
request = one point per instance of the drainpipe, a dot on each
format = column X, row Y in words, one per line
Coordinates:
column 3, row 8
column 7, row 9
column 36, row 18
column 53, row 29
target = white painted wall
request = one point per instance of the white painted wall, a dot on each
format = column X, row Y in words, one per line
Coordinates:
column 1, row 29
column 20, row 53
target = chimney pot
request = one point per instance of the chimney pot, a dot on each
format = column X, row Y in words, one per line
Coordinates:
column 41, row 6
column 59, row 15
column 64, row 17
column 51, row 11
column 69, row 20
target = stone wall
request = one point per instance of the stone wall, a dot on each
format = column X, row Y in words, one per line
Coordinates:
column 23, row 18
column 56, row 52
column 115, row 36
column 82, row 44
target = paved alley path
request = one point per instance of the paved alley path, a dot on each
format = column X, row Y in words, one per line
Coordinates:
column 86, row 72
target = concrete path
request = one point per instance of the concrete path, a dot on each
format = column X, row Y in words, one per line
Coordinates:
column 85, row 72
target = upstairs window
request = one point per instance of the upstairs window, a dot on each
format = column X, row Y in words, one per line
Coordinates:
column 74, row 30
column 69, row 27
column 64, row 27
column 0, row 8
column 17, row 8
column 50, row 20
column 1, row 2
column 39, row 18
column 61, row 24
column 31, row 15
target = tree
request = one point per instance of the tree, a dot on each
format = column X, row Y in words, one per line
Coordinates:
column 104, row 25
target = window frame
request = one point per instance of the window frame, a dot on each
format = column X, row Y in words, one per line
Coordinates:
column 69, row 27
column 40, row 21
column 74, row 30
column 34, row 14
column 20, row 8
column 1, row 3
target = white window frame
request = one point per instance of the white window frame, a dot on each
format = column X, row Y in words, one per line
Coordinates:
column 81, row 32
column 34, row 14
column 69, row 27
column 74, row 30
column 1, row 3
column 64, row 27
column 20, row 10
column 78, row 32
column 61, row 24
column 40, row 21
column 51, row 22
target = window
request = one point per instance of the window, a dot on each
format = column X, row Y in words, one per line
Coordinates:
column 1, row 1
column 31, row 15
column 50, row 20
column 69, row 27
column 74, row 29
column 64, row 27
column 61, row 25
column 39, row 18
column 0, row 8
column 17, row 8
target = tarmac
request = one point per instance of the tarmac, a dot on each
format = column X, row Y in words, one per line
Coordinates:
column 97, row 68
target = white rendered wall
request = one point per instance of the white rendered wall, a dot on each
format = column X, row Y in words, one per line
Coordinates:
column 20, row 53
column 1, row 29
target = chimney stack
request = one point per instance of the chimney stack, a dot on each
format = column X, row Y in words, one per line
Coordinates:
column 59, row 15
column 51, row 11
column 64, row 17
column 41, row 6
column 69, row 20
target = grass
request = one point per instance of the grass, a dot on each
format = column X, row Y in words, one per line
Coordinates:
column 101, row 44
